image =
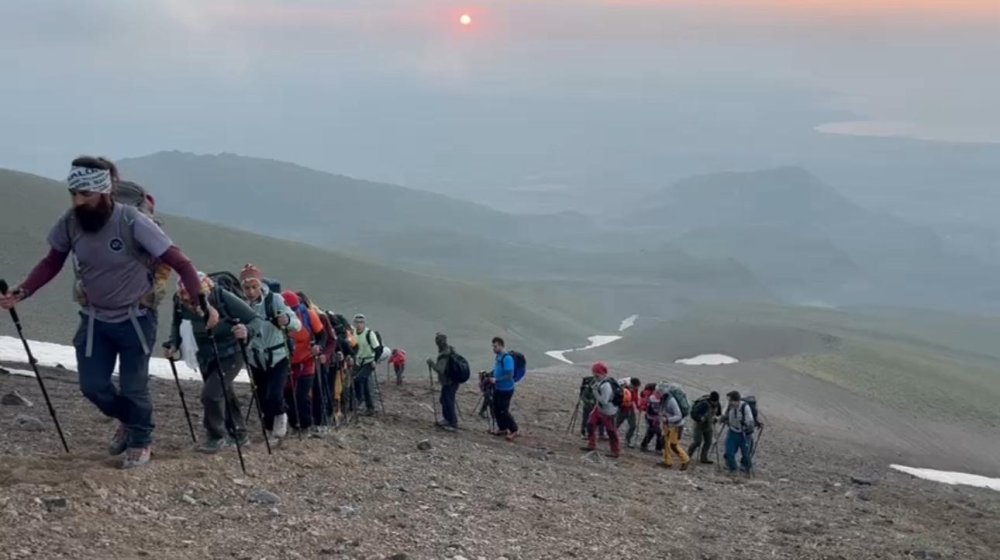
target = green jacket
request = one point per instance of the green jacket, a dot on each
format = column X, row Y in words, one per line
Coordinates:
column 441, row 367
column 230, row 307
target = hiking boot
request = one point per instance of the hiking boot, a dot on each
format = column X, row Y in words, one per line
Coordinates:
column 684, row 466
column 499, row 433
column 119, row 441
column 707, row 462
column 244, row 440
column 136, row 457
column 316, row 433
column 667, row 465
column 280, row 426
column 448, row 428
column 212, row 445
column 588, row 449
column 511, row 436
column 369, row 412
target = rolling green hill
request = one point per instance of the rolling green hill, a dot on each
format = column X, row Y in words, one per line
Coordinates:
column 408, row 308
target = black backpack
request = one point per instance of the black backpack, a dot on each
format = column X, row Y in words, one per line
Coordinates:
column 380, row 349
column 458, row 368
column 751, row 401
column 273, row 285
column 229, row 282
column 617, row 392
column 701, row 408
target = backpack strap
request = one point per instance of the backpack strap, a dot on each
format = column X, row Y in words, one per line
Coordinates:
column 129, row 214
column 269, row 306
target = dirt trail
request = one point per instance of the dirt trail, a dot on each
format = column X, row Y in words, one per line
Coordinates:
column 369, row 492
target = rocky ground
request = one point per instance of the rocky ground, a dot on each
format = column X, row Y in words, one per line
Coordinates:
column 394, row 487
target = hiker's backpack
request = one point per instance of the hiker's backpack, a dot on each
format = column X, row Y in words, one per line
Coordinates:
column 273, row 285
column 520, row 365
column 617, row 392
column 751, row 401
column 378, row 350
column 458, row 368
column 682, row 400
column 134, row 199
column 701, row 408
column 228, row 281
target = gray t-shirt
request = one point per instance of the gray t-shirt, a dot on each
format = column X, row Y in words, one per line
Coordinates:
column 113, row 279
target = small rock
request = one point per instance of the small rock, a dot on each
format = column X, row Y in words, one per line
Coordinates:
column 860, row 481
column 540, row 497
column 14, row 398
column 925, row 554
column 53, row 504
column 400, row 556
column 241, row 482
column 347, row 510
column 539, row 454
column 865, row 495
column 28, row 423
column 187, row 498
column 424, row 445
column 458, row 557
column 60, row 366
column 264, row 497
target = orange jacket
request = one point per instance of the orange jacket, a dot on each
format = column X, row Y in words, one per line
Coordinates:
column 303, row 360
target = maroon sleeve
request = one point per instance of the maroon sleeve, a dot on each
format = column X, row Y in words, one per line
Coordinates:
column 177, row 260
column 44, row 272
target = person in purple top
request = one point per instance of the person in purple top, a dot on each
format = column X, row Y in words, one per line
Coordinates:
column 118, row 322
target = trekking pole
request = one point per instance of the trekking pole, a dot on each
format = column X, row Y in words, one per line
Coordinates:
column 319, row 381
column 572, row 419
column 430, row 377
column 756, row 444
column 225, row 395
column 180, row 391
column 493, row 418
column 253, row 390
column 34, row 366
column 291, row 379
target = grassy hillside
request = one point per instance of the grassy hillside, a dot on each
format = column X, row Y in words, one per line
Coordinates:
column 602, row 285
column 408, row 308
column 944, row 365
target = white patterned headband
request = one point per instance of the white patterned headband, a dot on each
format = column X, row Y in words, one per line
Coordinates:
column 86, row 179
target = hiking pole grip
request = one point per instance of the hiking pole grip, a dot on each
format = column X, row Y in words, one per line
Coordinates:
column 34, row 366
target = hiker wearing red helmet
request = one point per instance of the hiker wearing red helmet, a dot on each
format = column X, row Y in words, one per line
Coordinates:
column 607, row 393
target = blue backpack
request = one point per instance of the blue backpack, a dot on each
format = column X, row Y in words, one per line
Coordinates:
column 520, row 365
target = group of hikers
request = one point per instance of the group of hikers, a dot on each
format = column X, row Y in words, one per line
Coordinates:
column 606, row 404
column 308, row 368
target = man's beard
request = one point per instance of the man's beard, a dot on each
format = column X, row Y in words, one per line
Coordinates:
column 92, row 220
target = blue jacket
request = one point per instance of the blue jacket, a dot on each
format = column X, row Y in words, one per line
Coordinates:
column 503, row 372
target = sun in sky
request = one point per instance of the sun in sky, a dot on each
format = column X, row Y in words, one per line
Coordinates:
column 465, row 19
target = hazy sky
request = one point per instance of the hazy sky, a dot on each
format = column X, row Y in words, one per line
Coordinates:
column 399, row 90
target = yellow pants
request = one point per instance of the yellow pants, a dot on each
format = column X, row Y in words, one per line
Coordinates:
column 674, row 444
